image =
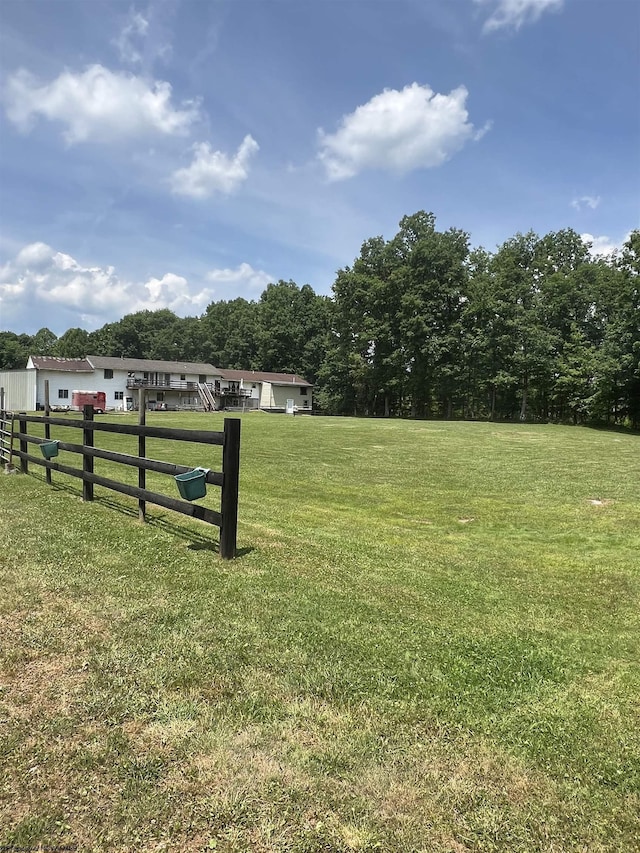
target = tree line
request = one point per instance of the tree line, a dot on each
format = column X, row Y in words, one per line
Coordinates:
column 420, row 326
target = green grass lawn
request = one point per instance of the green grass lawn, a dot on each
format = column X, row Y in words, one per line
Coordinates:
column 430, row 642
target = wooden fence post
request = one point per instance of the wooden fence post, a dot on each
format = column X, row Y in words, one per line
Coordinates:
column 87, row 461
column 24, row 465
column 230, row 482
column 47, row 427
column 2, row 400
column 142, row 452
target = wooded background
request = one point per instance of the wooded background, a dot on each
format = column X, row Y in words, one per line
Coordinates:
column 420, row 325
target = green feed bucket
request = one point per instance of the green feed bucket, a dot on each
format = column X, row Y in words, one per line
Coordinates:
column 193, row 484
column 49, row 449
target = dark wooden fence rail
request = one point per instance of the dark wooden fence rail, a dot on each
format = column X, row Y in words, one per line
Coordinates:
column 227, row 479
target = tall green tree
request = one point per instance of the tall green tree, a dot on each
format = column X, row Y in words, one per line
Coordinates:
column 628, row 326
column 478, row 320
column 617, row 309
column 349, row 382
column 292, row 329
column 522, row 343
column 397, row 322
column 230, row 334
column 14, row 350
column 433, row 294
column 134, row 336
column 73, row 344
column 43, row 342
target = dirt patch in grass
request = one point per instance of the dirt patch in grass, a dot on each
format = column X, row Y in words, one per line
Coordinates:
column 337, row 780
column 159, row 737
column 43, row 667
column 43, row 679
column 43, row 686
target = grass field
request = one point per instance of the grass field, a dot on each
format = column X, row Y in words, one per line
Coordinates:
column 430, row 642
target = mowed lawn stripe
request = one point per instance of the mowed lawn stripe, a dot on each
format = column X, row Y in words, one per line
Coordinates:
column 430, row 642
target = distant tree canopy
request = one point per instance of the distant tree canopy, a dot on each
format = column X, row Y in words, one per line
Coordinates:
column 420, row 326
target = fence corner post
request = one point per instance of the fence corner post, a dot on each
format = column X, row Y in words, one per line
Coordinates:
column 87, row 460
column 230, row 483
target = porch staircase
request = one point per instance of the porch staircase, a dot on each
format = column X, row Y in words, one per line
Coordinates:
column 206, row 397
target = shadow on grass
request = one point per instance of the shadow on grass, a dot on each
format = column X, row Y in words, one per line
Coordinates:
column 620, row 430
column 197, row 541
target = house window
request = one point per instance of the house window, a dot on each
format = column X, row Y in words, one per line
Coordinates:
column 303, row 391
column 183, row 376
column 63, row 393
column 202, row 379
column 119, row 395
column 160, row 396
column 108, row 373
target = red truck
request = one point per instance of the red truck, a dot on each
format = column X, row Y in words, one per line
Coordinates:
column 97, row 399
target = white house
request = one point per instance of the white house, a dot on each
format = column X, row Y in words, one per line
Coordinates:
column 267, row 391
column 167, row 384
column 24, row 389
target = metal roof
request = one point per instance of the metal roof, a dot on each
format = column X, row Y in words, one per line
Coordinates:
column 100, row 362
column 51, row 362
column 261, row 376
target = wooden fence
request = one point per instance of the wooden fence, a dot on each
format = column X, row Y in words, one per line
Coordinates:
column 227, row 479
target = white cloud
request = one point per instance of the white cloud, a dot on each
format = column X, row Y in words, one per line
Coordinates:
column 133, row 31
column 34, row 256
column 603, row 245
column 586, row 201
column 214, row 171
column 415, row 128
column 135, row 43
column 486, row 127
column 41, row 278
column 98, row 104
column 244, row 274
column 513, row 14
column 172, row 291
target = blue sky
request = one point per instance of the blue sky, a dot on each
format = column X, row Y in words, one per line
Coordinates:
column 174, row 153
